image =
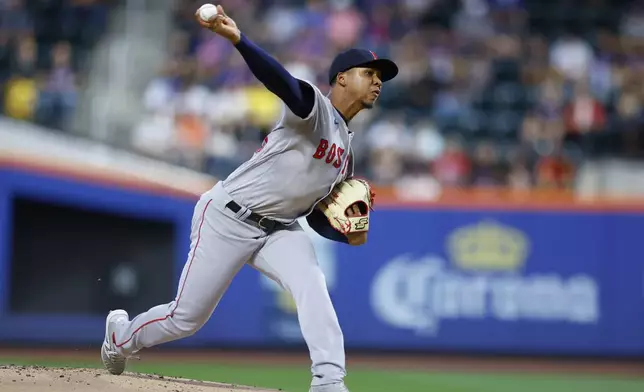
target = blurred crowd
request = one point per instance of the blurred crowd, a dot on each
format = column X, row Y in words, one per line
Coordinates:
column 490, row 92
column 43, row 44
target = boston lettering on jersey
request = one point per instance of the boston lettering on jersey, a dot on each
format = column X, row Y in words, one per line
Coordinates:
column 298, row 164
column 334, row 154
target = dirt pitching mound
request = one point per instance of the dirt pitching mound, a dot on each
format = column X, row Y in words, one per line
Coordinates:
column 38, row 379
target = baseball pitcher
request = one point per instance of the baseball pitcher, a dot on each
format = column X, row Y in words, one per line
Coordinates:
column 303, row 168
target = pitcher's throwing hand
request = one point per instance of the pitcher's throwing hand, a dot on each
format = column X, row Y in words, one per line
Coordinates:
column 221, row 24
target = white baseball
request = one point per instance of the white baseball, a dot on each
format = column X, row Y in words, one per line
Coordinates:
column 207, row 12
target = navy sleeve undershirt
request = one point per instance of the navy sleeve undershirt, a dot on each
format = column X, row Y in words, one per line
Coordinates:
column 296, row 94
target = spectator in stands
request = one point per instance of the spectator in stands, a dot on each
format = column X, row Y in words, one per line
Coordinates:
column 223, row 151
column 554, row 170
column 632, row 25
column 535, row 64
column 571, row 56
column 487, row 169
column 191, row 129
column 5, row 62
column 390, row 132
column 386, row 166
column 58, row 95
column 601, row 76
column 179, row 46
column 519, row 175
column 24, row 62
column 378, row 31
column 550, row 99
column 630, row 113
column 539, row 136
column 21, row 89
column 532, row 130
column 584, row 116
column 155, row 134
column 84, row 20
column 453, row 167
column 345, row 25
column 450, row 106
column 15, row 18
column 628, row 125
column 472, row 20
column 428, row 142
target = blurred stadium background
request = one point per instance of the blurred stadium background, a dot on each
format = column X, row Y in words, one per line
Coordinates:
column 510, row 149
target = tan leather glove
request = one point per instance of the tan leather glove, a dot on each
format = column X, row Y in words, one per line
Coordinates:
column 344, row 196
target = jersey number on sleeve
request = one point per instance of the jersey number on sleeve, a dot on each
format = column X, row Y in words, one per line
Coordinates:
column 330, row 155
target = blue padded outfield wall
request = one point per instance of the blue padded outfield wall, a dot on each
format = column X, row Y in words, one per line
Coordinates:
column 489, row 281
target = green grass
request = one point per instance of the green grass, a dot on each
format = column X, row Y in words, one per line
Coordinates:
column 296, row 379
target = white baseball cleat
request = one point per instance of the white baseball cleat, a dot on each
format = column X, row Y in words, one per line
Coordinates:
column 113, row 361
column 337, row 387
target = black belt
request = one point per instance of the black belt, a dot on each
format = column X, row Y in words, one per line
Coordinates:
column 264, row 223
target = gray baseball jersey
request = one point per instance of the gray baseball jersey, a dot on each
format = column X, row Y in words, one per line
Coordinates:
column 299, row 163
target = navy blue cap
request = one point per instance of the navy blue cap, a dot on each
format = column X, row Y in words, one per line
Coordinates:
column 353, row 58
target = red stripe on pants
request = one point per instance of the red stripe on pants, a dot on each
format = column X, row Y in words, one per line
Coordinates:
column 183, row 285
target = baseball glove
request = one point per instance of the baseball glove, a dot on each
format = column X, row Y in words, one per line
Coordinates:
column 343, row 196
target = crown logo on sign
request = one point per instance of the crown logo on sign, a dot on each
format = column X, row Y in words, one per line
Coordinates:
column 488, row 245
